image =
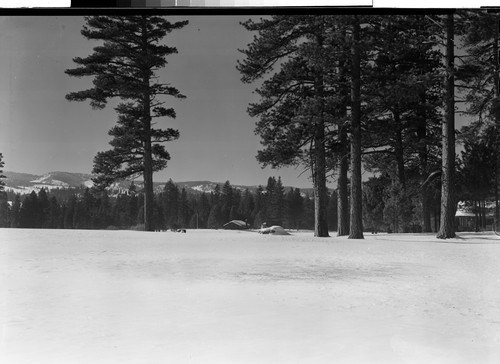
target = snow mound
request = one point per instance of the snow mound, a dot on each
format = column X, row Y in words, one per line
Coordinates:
column 274, row 230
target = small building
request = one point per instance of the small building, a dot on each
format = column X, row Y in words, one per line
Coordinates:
column 236, row 225
column 468, row 221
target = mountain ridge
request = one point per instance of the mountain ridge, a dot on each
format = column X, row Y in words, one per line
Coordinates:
column 25, row 183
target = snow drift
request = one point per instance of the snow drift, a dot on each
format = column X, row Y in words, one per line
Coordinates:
column 274, row 230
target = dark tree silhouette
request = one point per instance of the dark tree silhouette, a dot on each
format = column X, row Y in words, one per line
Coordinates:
column 125, row 66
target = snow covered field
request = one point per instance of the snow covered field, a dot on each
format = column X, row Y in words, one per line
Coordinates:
column 242, row 297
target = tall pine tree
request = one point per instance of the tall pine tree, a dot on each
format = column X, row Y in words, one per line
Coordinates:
column 292, row 112
column 4, row 207
column 448, row 202
column 2, row 164
column 356, row 225
column 125, row 66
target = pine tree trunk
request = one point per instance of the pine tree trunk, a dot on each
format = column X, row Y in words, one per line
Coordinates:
column 448, row 203
column 148, row 188
column 423, row 158
column 343, row 190
column 320, row 192
column 342, row 183
column 148, row 153
column 496, row 80
column 356, row 228
column 399, row 150
column 319, row 179
column 476, row 217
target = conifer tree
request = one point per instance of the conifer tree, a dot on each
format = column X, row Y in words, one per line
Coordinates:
column 29, row 214
column 2, row 164
column 43, row 209
column 246, row 206
column 292, row 111
column 125, row 66
column 258, row 214
column 133, row 204
column 214, row 217
column 403, row 91
column 104, row 210
column 448, row 202
column 268, row 201
column 15, row 212
column 276, row 202
column 356, row 222
column 53, row 214
column 294, row 208
column 373, row 202
column 4, row 210
column 333, row 211
column 476, row 173
column 183, row 214
column 4, row 206
column 69, row 212
column 170, row 204
column 227, row 197
column 203, row 211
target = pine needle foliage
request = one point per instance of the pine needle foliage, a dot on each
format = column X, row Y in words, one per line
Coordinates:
column 125, row 66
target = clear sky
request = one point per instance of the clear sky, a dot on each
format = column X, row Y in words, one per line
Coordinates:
column 41, row 131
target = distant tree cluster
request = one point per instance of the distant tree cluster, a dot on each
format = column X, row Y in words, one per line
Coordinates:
column 4, row 207
column 174, row 208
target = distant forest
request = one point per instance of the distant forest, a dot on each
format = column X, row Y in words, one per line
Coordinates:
column 385, row 208
column 174, row 208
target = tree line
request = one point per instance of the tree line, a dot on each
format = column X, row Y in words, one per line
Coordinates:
column 174, row 208
column 385, row 205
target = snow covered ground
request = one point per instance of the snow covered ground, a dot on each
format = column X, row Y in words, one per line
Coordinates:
column 242, row 297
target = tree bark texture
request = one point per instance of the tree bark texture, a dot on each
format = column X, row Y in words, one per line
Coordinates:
column 343, row 190
column 448, row 203
column 320, row 192
column 356, row 228
column 343, row 182
column 319, row 179
column 399, row 149
column 423, row 158
column 496, row 78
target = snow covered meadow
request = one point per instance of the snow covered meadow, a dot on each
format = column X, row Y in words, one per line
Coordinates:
column 241, row 297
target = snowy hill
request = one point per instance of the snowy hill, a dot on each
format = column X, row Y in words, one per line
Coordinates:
column 24, row 183
column 208, row 186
